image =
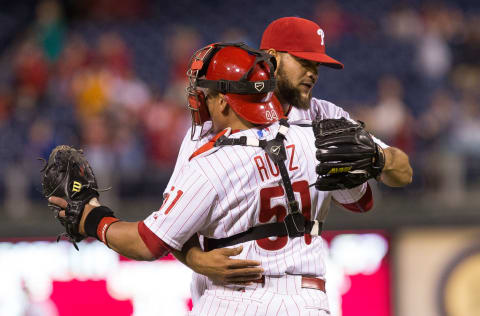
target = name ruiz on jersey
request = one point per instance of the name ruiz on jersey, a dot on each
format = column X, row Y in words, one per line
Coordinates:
column 267, row 169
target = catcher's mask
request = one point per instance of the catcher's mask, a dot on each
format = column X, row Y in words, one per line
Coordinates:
column 243, row 74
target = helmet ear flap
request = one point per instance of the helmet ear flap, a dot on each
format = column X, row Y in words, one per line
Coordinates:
column 198, row 105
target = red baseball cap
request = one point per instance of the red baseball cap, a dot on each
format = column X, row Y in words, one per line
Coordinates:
column 299, row 37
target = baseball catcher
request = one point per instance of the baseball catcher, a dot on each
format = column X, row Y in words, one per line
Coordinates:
column 347, row 154
column 67, row 174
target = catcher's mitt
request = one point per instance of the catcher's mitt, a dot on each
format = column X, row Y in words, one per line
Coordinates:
column 347, row 153
column 68, row 175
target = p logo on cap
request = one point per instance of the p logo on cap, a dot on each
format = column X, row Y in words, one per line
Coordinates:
column 298, row 37
column 322, row 35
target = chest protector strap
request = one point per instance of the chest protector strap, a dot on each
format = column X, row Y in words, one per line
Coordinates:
column 294, row 224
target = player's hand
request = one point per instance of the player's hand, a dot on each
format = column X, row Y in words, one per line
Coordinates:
column 62, row 203
column 220, row 268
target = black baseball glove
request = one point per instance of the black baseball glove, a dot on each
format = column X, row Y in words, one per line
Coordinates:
column 347, row 154
column 68, row 175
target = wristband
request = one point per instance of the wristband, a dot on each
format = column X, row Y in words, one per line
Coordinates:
column 98, row 221
column 103, row 227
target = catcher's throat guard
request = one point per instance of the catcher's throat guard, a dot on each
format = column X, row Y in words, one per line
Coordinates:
column 243, row 74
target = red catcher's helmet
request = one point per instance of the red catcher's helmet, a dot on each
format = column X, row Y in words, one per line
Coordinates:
column 244, row 75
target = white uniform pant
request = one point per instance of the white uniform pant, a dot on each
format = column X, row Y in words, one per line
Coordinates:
column 278, row 296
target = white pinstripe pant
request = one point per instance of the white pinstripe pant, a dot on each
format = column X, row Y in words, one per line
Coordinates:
column 278, row 296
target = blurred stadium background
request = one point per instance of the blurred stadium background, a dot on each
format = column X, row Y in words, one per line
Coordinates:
column 109, row 77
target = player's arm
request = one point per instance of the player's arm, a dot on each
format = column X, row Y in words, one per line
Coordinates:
column 217, row 264
column 358, row 199
column 130, row 239
column 123, row 237
column 397, row 171
column 165, row 230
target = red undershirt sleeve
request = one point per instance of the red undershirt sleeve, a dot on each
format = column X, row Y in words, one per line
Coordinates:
column 156, row 246
column 364, row 204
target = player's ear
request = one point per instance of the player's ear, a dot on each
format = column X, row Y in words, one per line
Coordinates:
column 275, row 54
column 222, row 104
column 272, row 52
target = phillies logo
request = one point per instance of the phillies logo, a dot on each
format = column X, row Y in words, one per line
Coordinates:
column 259, row 85
column 322, row 35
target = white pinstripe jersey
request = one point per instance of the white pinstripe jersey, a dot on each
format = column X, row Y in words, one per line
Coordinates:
column 234, row 188
column 230, row 189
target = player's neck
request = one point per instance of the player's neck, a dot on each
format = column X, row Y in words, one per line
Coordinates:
column 241, row 125
column 235, row 123
column 235, row 126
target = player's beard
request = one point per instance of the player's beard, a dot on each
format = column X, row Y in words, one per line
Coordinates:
column 288, row 93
